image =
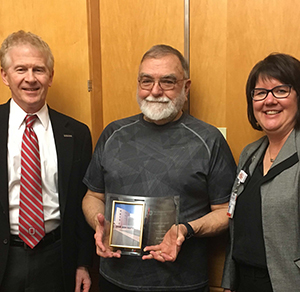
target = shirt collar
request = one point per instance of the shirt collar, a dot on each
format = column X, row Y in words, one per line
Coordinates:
column 19, row 115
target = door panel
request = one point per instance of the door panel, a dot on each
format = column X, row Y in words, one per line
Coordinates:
column 254, row 30
column 63, row 25
column 128, row 29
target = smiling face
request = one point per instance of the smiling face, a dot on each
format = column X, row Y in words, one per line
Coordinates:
column 275, row 116
column 158, row 105
column 27, row 76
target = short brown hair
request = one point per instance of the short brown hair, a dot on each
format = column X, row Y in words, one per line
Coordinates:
column 282, row 67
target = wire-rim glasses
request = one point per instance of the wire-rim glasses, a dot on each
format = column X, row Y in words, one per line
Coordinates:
column 164, row 84
column 280, row 91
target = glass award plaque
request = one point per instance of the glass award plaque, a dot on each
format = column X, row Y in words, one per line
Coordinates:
column 136, row 222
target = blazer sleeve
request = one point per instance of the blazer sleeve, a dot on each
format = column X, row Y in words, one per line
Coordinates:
column 229, row 280
column 85, row 232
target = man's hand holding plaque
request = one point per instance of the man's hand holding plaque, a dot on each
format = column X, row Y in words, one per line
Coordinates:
column 102, row 239
column 168, row 249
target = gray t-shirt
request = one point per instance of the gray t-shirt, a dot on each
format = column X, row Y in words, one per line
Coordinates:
column 187, row 158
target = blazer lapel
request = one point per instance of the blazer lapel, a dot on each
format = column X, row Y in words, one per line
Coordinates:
column 288, row 149
column 249, row 160
column 261, row 148
column 64, row 141
column 4, row 115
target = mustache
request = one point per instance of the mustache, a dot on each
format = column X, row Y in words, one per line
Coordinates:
column 157, row 99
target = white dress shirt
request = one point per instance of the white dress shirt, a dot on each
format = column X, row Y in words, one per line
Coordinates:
column 48, row 158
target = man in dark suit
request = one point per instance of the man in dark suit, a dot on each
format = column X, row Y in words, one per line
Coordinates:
column 58, row 262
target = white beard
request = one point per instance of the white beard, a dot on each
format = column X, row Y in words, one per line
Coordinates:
column 161, row 108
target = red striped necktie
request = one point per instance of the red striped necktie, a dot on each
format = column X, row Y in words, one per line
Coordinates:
column 31, row 215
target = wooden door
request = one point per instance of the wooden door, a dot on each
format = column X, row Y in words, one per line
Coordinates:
column 254, row 30
column 63, row 25
column 128, row 29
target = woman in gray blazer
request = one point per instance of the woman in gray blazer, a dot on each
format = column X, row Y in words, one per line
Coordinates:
column 264, row 250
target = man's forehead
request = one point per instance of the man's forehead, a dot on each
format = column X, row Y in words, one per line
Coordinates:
column 26, row 50
column 22, row 53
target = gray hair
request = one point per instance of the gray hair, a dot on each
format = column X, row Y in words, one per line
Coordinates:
column 22, row 38
column 159, row 51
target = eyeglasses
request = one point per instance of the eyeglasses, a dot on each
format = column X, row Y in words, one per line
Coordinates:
column 281, row 91
column 164, row 84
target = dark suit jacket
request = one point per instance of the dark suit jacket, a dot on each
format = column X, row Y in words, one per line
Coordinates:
column 73, row 147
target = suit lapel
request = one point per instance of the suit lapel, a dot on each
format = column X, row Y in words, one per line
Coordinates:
column 64, row 142
column 4, row 116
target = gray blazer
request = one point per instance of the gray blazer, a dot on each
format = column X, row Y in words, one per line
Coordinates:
column 280, row 215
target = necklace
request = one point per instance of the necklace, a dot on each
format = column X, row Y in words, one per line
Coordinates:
column 271, row 159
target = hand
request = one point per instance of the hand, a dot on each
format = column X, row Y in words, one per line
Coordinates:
column 228, row 290
column 102, row 239
column 82, row 280
column 169, row 248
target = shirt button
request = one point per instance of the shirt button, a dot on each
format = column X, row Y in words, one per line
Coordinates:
column 5, row 241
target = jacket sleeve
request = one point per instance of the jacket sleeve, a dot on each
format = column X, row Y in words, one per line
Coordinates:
column 229, row 280
column 85, row 239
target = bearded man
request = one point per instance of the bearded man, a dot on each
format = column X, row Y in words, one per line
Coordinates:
column 161, row 152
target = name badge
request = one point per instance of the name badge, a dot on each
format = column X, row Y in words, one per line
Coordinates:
column 231, row 205
column 242, row 176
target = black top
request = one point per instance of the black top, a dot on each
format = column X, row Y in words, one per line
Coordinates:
column 249, row 246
